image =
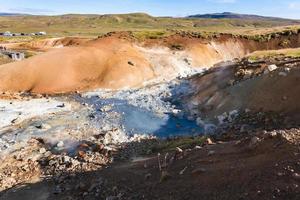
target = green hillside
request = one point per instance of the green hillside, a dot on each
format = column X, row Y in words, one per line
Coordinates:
column 96, row 24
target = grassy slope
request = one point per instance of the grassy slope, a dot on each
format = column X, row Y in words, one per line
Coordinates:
column 98, row 24
column 295, row 53
column 4, row 59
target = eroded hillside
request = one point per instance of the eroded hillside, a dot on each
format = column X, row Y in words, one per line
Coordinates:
column 120, row 60
column 138, row 115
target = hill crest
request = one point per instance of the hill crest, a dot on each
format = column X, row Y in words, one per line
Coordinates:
column 231, row 15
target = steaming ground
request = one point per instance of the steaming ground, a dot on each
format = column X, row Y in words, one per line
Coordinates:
column 90, row 145
column 118, row 61
column 151, row 111
column 63, row 143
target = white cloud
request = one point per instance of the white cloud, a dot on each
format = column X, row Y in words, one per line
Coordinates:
column 30, row 10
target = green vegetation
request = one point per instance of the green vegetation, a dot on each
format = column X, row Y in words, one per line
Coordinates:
column 154, row 146
column 268, row 34
column 285, row 43
column 21, row 39
column 295, row 53
column 177, row 47
column 92, row 25
column 183, row 143
column 141, row 35
column 15, row 39
column 4, row 59
column 29, row 54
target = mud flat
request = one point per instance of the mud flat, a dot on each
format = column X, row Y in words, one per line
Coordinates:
column 121, row 116
column 93, row 124
column 16, row 111
column 150, row 110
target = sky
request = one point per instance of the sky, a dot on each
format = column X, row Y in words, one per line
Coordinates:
column 175, row 8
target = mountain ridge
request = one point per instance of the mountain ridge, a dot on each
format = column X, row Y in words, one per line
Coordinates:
column 231, row 15
column 12, row 14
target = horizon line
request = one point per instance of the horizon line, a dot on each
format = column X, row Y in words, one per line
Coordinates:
column 78, row 13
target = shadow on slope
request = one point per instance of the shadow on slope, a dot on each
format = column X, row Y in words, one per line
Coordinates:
column 263, row 169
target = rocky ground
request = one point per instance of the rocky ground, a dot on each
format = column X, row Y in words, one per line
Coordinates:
column 263, row 86
column 108, row 145
column 44, row 136
column 264, row 165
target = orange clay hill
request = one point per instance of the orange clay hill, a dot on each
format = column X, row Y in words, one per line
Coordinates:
column 109, row 62
column 118, row 60
column 46, row 44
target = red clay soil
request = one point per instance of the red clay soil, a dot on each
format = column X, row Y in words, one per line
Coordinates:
column 114, row 62
column 104, row 64
column 54, row 43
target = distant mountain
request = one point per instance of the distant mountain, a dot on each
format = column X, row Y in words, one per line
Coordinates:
column 230, row 15
column 92, row 24
column 12, row 14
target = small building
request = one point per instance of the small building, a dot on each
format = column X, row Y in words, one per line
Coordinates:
column 42, row 33
column 17, row 56
column 7, row 33
column 16, row 34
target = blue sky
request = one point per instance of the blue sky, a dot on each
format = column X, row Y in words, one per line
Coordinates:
column 279, row 8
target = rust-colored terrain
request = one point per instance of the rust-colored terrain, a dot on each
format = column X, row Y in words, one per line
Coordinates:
column 116, row 61
column 224, row 123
